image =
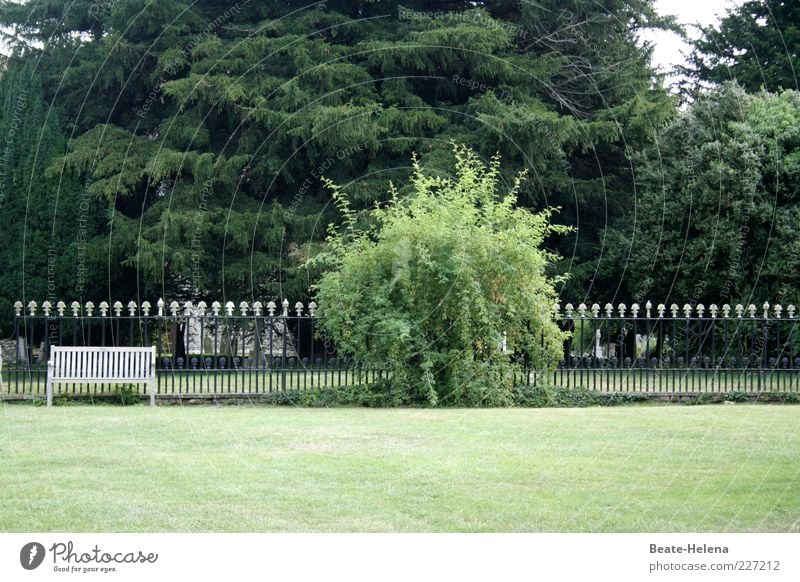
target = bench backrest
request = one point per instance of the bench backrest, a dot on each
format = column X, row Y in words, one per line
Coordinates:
column 103, row 363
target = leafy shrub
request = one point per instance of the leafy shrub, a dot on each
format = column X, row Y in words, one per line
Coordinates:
column 698, row 399
column 547, row 396
column 736, row 396
column 128, row 395
column 445, row 287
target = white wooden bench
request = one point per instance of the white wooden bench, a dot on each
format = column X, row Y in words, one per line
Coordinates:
column 102, row 366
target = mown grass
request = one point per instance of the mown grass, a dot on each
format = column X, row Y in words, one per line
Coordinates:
column 208, row 469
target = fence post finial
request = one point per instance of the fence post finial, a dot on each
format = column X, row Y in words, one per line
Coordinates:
column 621, row 309
column 46, row 308
column 661, row 309
column 714, row 310
column 648, row 306
column 312, row 309
column 160, row 304
column 132, row 308
column 778, row 308
column 104, row 308
column 76, row 308
column 700, row 310
column 739, row 310
column 243, row 307
column 752, row 309
column 32, row 307
column 582, row 309
column 766, row 309
column 271, row 308
column 215, row 307
column 609, row 309
column 89, row 308
column 257, row 308
column 202, row 307
column 229, row 308
column 61, row 306
column 674, row 309
column 298, row 307
column 173, row 308
column 790, row 311
column 146, row 308
column 117, row 308
column 556, row 310
column 285, row 305
column 635, row 310
column 726, row 311
column 17, row 308
column 687, row 310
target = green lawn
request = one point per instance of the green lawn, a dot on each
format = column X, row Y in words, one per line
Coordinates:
column 180, row 469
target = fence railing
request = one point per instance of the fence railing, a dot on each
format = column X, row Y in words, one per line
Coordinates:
column 255, row 348
column 680, row 349
column 250, row 350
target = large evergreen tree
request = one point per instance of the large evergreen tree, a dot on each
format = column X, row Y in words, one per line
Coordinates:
column 204, row 128
column 49, row 247
column 757, row 44
column 717, row 209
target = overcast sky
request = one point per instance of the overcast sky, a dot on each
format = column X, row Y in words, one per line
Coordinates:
column 668, row 46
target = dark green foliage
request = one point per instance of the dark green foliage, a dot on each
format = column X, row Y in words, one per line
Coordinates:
column 203, row 129
column 544, row 395
column 736, row 396
column 128, row 395
column 757, row 44
column 717, row 208
column 47, row 225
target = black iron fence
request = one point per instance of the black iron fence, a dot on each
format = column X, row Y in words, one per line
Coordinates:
column 255, row 348
column 680, row 349
column 249, row 349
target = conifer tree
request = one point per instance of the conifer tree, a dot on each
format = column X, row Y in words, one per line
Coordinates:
column 204, row 129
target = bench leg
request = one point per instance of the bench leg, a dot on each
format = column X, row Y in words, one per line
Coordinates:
column 152, row 393
column 49, row 392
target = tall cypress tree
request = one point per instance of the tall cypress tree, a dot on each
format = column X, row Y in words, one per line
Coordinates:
column 204, row 128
